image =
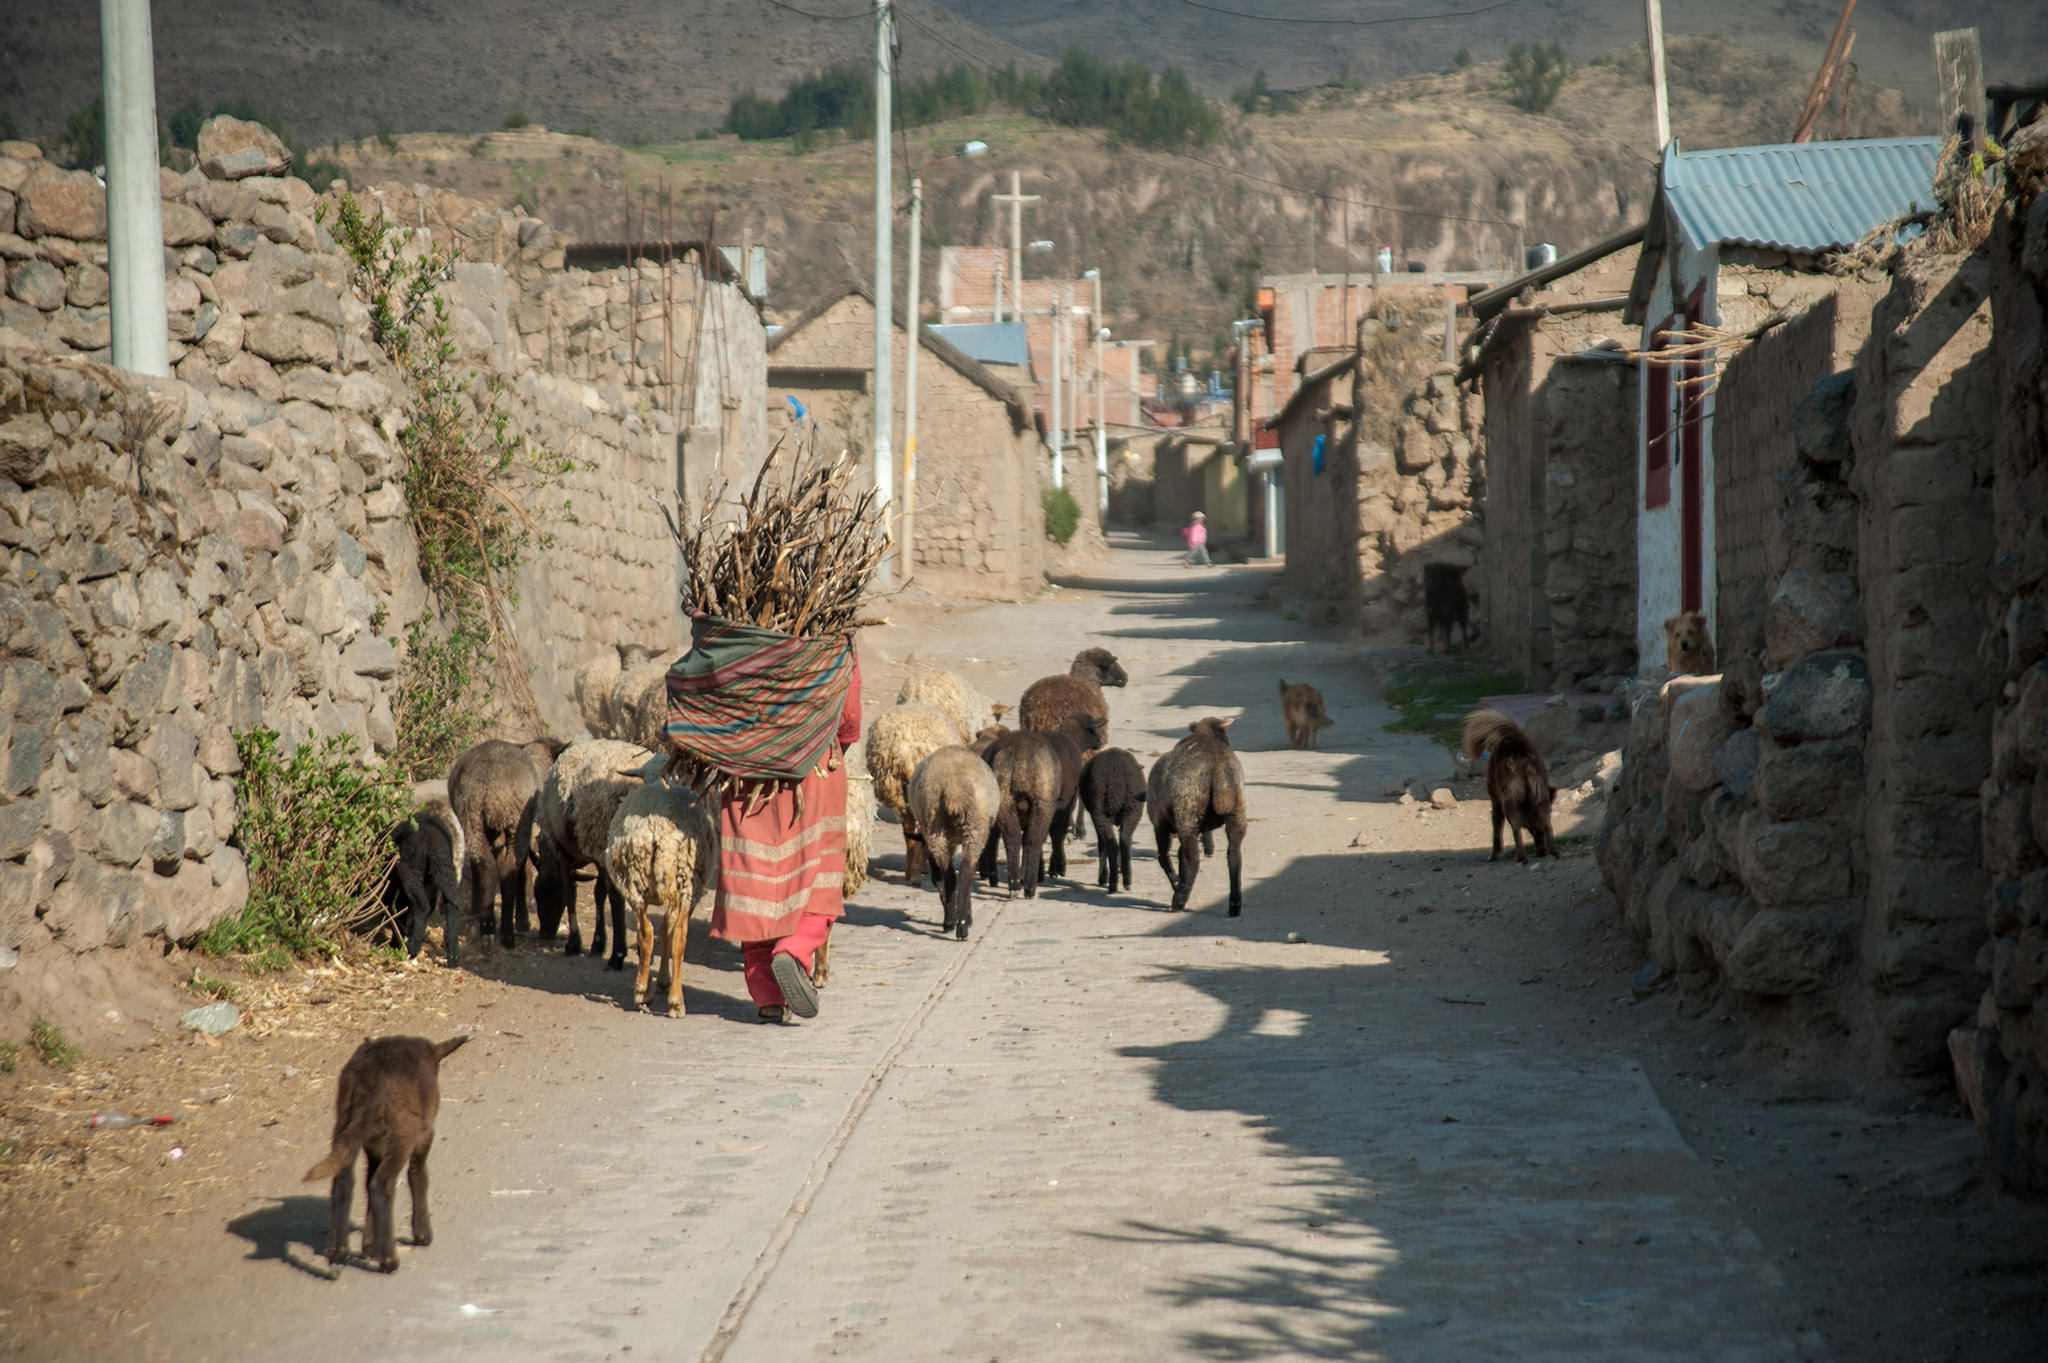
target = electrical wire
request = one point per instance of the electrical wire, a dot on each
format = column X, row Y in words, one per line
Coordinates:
column 1351, row 23
column 830, row 18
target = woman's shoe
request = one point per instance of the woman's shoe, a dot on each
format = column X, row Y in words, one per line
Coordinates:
column 797, row 989
column 771, row 1012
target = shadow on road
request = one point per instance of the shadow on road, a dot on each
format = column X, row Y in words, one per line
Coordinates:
column 291, row 1230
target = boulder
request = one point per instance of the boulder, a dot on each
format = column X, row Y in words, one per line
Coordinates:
column 1789, row 864
column 67, row 204
column 1823, row 695
column 1811, row 780
column 234, row 149
column 1812, row 611
column 291, row 339
column 1781, row 952
column 1698, row 729
column 1820, row 423
column 37, row 283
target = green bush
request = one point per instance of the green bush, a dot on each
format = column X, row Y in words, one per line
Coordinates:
column 51, row 1045
column 85, row 135
column 442, row 695
column 1062, row 514
column 1534, row 75
column 515, row 120
column 315, row 828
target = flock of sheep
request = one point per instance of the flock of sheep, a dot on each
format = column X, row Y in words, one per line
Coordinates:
column 958, row 781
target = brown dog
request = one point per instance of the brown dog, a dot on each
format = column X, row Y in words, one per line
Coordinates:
column 389, row 1095
column 1687, row 649
column 1517, row 781
column 1301, row 707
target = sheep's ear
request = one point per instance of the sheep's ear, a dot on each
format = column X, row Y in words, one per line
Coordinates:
column 1226, row 723
column 999, row 709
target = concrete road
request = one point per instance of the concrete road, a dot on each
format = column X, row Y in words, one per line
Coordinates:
column 1095, row 1130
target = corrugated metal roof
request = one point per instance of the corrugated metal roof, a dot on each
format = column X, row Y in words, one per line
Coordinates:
column 986, row 342
column 1806, row 196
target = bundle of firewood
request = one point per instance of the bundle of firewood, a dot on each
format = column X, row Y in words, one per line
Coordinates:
column 796, row 554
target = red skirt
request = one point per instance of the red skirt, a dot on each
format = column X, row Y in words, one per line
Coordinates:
column 781, row 855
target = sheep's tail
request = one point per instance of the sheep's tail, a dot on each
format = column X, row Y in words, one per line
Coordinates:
column 1488, row 730
column 450, row 1046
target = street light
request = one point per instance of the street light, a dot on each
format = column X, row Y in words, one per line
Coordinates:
column 1094, row 277
column 906, row 549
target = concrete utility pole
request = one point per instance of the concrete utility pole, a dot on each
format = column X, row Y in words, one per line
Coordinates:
column 135, row 222
column 1015, row 200
column 1101, row 416
column 885, row 283
column 1653, row 13
column 1059, row 436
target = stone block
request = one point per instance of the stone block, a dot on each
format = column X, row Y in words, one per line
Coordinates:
column 1698, row 728
column 83, row 328
column 1789, row 952
column 1820, row 422
column 63, row 204
column 1823, row 695
column 88, row 287
column 120, row 833
column 185, row 225
column 21, row 824
column 1786, row 865
column 166, row 847
column 291, row 340
column 1810, row 612
column 172, row 747
column 1809, row 781
column 1735, row 761
column 88, row 755
column 39, row 284
column 144, row 690
column 234, row 149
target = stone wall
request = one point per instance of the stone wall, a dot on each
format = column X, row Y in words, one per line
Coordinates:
column 228, row 549
column 1400, row 480
column 1800, row 832
column 2001, row 1052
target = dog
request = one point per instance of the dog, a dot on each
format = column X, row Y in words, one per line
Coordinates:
column 1443, row 598
column 385, row 1106
column 1687, row 649
column 1301, row 708
column 1517, row 782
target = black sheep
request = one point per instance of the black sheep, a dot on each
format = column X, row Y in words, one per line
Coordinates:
column 1196, row 788
column 1113, row 793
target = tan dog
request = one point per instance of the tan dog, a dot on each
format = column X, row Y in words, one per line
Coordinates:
column 1687, row 649
column 1301, row 707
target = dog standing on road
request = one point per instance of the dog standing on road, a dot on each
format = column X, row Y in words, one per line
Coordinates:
column 1301, row 708
column 1517, row 781
column 385, row 1107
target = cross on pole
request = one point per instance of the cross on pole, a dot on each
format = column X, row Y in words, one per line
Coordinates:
column 1015, row 200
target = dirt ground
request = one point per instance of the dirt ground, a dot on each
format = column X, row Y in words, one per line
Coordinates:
column 1868, row 1203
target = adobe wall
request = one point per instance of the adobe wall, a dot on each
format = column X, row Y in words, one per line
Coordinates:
column 1517, row 618
column 228, row 549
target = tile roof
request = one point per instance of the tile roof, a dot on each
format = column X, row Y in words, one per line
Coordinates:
column 1807, row 196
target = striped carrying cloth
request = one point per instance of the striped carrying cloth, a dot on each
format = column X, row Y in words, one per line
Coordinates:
column 774, row 711
column 755, row 703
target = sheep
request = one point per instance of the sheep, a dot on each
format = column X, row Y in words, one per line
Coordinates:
column 969, row 710
column 594, row 681
column 639, row 706
column 432, row 857
column 900, row 738
column 574, row 813
column 1113, row 793
column 384, row 1106
column 662, row 851
column 491, row 789
column 1036, row 776
column 1051, row 702
column 955, row 797
column 1197, row 787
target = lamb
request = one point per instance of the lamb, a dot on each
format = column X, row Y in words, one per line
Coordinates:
column 1051, row 702
column 1196, row 788
column 574, row 813
column 1037, row 775
column 389, row 1095
column 491, row 789
column 955, row 796
column 1113, row 793
column 969, row 710
column 662, row 852
column 1517, row 781
column 900, row 738
column 429, row 871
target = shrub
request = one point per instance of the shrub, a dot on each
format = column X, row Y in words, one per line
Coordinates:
column 515, row 120
column 49, row 1043
column 85, row 135
column 1062, row 514
column 321, row 172
column 387, row 138
column 315, row 828
column 442, row 695
column 1534, row 75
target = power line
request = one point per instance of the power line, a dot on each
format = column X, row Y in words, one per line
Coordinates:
column 1351, row 23
column 830, row 18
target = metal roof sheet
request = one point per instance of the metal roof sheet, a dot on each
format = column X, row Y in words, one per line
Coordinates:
column 1805, row 196
column 986, row 342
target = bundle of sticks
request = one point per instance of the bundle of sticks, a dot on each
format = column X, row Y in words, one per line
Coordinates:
column 795, row 554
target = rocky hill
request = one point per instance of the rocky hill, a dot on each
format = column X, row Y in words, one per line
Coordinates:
column 1439, row 167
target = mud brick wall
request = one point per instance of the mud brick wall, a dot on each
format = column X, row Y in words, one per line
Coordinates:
column 226, row 550
column 2001, row 1051
column 1587, row 419
column 1517, row 617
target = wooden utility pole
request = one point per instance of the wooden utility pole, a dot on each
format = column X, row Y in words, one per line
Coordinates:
column 1823, row 80
column 1015, row 201
column 1959, row 76
column 1653, row 14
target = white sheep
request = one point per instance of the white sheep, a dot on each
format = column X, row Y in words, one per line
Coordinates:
column 662, row 853
column 899, row 739
column 970, row 711
column 955, row 796
column 639, row 706
column 574, row 817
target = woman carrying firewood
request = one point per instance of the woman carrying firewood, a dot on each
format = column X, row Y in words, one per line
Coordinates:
column 763, row 707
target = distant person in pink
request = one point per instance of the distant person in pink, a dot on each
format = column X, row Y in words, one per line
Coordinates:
column 1196, row 533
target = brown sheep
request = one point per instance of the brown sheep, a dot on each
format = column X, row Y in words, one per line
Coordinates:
column 1113, row 793
column 955, row 797
column 491, row 789
column 1050, row 702
column 1037, row 776
column 1196, row 788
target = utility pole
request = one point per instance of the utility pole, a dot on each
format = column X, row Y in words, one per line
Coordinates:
column 1311, row 236
column 1015, row 200
column 1653, row 13
column 885, row 283
column 1059, row 437
column 135, row 224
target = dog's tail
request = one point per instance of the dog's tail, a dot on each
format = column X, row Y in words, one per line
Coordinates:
column 450, row 1046
column 347, row 1142
column 1488, row 731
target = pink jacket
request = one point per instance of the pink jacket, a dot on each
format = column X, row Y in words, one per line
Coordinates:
column 1195, row 532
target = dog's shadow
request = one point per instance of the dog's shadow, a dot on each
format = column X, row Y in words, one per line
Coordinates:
column 291, row 1230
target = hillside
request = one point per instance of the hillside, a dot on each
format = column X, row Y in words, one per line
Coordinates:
column 1178, row 237
column 628, row 70
column 1386, row 40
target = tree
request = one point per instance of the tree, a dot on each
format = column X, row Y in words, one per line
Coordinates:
column 1534, row 75
column 85, row 136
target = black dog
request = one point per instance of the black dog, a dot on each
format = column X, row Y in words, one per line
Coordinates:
column 1443, row 596
column 1517, row 781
